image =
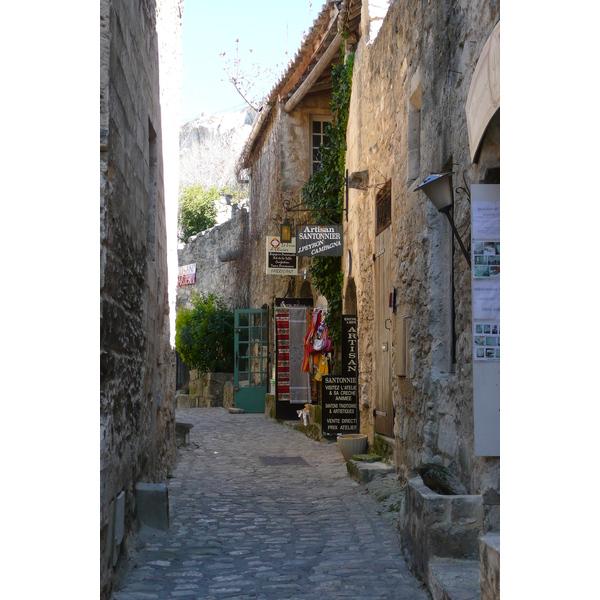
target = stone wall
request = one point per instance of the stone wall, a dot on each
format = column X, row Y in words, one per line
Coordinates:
column 207, row 390
column 218, row 253
column 407, row 119
column 137, row 423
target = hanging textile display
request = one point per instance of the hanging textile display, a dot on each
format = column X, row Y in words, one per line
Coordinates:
column 317, row 345
column 282, row 324
column 299, row 381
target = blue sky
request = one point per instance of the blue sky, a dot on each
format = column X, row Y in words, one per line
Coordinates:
column 268, row 27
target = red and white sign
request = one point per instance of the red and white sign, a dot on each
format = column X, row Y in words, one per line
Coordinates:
column 186, row 275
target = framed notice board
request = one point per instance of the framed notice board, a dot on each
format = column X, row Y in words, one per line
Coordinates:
column 485, row 278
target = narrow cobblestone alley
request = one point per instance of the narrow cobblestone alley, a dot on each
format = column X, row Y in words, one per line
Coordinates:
column 243, row 529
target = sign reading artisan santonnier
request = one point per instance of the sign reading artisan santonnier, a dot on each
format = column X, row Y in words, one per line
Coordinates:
column 319, row 240
column 281, row 258
column 340, row 405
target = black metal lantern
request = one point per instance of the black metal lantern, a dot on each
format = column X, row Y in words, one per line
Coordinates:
column 438, row 188
column 286, row 232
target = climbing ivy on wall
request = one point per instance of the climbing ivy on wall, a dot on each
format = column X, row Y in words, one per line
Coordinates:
column 323, row 193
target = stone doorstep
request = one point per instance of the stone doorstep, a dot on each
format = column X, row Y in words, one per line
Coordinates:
column 453, row 579
column 363, row 472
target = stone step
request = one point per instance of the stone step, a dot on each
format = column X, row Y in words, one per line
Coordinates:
column 363, row 472
column 453, row 579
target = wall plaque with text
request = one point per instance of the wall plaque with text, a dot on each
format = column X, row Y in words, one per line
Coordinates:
column 281, row 258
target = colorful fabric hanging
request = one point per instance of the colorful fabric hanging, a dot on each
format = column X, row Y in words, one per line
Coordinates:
column 282, row 324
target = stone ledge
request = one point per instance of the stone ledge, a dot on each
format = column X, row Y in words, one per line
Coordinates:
column 453, row 579
column 436, row 525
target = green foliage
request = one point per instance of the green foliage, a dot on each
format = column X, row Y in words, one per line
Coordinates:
column 237, row 192
column 323, row 193
column 204, row 334
column 197, row 210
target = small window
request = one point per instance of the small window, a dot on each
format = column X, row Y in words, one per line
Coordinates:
column 384, row 208
column 318, row 137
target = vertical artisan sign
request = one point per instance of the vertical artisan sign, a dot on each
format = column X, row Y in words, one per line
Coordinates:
column 349, row 346
column 340, row 394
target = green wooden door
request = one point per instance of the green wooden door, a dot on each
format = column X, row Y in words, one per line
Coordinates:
column 251, row 359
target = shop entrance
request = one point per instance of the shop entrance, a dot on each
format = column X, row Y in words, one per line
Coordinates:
column 292, row 385
column 251, row 340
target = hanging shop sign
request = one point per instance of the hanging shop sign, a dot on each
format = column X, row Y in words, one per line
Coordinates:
column 340, row 405
column 349, row 346
column 319, row 240
column 186, row 275
column 281, row 258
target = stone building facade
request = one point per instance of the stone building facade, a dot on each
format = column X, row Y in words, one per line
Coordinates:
column 137, row 422
column 412, row 74
column 278, row 157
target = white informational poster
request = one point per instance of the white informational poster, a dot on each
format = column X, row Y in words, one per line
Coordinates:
column 485, row 217
column 281, row 258
column 486, row 299
column 485, row 278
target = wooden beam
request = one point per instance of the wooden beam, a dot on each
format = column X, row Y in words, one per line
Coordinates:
column 314, row 74
column 320, row 87
column 310, row 55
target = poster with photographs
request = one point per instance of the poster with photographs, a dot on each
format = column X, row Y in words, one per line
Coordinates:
column 486, row 340
column 486, row 260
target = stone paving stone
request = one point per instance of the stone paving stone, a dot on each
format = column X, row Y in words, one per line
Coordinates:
column 242, row 529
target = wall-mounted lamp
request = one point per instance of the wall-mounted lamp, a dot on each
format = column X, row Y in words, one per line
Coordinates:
column 286, row 231
column 438, row 188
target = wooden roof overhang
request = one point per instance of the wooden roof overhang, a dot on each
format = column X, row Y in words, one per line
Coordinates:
column 310, row 69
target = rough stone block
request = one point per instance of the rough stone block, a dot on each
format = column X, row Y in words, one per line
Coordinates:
column 453, row 579
column 182, row 433
column 489, row 566
column 152, row 505
column 270, row 406
column 228, row 395
column 119, row 517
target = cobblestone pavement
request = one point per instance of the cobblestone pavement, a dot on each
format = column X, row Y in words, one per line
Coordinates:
column 243, row 529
